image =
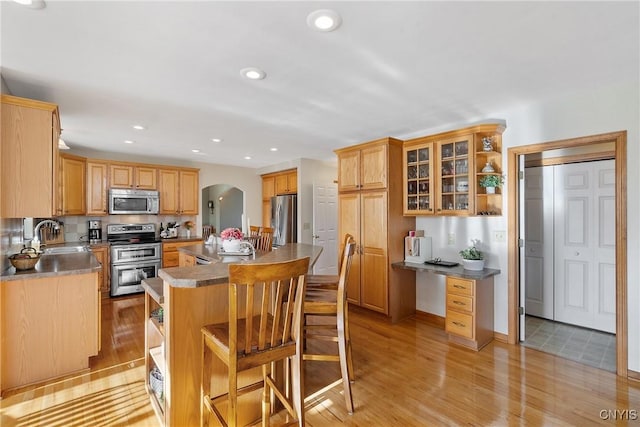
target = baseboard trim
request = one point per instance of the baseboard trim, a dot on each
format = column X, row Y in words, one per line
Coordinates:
column 633, row 375
column 503, row 338
column 430, row 318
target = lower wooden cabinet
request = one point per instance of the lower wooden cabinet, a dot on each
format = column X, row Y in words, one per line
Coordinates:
column 170, row 255
column 469, row 318
column 102, row 255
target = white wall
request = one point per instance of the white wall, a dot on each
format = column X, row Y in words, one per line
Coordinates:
column 599, row 111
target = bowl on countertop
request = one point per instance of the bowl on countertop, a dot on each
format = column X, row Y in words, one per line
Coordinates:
column 26, row 259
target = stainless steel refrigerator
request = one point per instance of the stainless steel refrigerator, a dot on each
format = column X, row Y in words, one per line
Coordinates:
column 284, row 219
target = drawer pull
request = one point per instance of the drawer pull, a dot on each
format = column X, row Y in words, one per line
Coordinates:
column 458, row 302
column 459, row 287
column 462, row 325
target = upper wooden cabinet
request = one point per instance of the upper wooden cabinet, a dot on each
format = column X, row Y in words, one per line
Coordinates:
column 97, row 187
column 73, row 180
column 365, row 166
column 124, row 175
column 442, row 172
column 178, row 191
column 275, row 184
column 30, row 132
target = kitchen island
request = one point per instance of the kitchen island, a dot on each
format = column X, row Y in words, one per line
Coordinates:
column 49, row 319
column 193, row 297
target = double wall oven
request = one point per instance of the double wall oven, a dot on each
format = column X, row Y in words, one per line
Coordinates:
column 136, row 254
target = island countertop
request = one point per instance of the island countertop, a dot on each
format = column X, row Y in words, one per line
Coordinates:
column 457, row 271
column 217, row 271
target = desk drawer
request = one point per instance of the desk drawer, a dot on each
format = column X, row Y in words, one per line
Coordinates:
column 459, row 303
column 459, row 324
column 459, row 286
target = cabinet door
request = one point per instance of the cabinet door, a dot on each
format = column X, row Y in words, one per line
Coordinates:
column 168, row 187
column 121, row 176
column 373, row 247
column 103, row 275
column 96, row 188
column 266, row 213
column 292, row 182
column 189, row 189
column 456, row 167
column 29, row 156
column 268, row 191
column 146, row 178
column 373, row 173
column 73, row 185
column 349, row 222
column 349, row 171
column 281, row 184
column 418, row 180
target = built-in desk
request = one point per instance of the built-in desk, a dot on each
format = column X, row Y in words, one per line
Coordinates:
column 192, row 297
column 469, row 314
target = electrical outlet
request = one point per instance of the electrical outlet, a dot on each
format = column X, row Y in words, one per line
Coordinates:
column 499, row 236
column 452, row 238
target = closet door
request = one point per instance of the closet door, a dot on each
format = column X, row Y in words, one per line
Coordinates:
column 585, row 279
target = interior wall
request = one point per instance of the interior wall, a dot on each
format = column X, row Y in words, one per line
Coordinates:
column 602, row 110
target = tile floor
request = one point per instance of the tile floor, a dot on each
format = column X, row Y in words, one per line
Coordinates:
column 593, row 348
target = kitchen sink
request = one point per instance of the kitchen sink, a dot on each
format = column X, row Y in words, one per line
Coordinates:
column 59, row 250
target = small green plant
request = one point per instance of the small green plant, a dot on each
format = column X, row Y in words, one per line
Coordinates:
column 471, row 253
column 491, row 181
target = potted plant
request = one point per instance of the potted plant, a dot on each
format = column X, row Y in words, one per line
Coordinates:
column 231, row 239
column 189, row 225
column 472, row 258
column 490, row 182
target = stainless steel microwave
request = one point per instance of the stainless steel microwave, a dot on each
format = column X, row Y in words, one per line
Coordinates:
column 123, row 201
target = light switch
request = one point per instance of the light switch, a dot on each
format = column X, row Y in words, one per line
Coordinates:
column 452, row 239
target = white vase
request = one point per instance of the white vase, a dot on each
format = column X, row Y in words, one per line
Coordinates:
column 231, row 245
column 490, row 190
column 473, row 264
column 188, row 234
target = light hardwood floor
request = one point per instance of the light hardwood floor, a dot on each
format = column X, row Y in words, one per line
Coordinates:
column 406, row 375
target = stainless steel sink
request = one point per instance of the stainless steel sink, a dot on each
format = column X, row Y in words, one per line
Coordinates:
column 59, row 250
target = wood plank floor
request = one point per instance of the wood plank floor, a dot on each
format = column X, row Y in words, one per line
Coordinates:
column 406, row 375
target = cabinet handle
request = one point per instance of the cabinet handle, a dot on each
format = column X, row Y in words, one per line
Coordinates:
column 462, row 325
column 458, row 286
column 458, row 302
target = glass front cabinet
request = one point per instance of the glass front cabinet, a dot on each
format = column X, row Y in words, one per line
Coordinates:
column 442, row 173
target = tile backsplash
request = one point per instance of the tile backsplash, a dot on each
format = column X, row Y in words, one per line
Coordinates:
column 76, row 228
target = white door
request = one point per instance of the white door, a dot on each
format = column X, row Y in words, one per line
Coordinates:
column 325, row 227
column 538, row 244
column 585, row 279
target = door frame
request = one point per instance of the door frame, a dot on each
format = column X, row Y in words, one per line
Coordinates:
column 619, row 139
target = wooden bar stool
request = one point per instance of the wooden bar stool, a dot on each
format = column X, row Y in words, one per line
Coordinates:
column 254, row 235
column 265, row 326
column 265, row 239
column 325, row 301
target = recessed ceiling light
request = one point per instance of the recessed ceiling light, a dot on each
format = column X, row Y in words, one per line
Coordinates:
column 216, row 139
column 324, row 20
column 247, row 157
column 253, row 73
column 32, row 4
column 273, row 149
column 138, row 127
column 128, row 141
column 195, row 150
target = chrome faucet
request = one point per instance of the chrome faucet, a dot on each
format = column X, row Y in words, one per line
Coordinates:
column 35, row 242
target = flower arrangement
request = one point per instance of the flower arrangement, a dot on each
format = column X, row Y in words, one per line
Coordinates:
column 491, row 181
column 231, row 234
column 189, row 225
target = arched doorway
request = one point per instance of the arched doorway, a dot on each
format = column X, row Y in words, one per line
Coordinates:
column 222, row 206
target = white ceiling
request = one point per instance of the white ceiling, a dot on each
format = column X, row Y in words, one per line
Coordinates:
column 391, row 69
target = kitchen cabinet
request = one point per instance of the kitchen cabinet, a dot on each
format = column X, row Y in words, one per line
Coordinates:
column 97, row 188
column 170, row 255
column 73, row 180
column 29, row 158
column 441, row 173
column 363, row 167
column 101, row 253
column 179, row 190
column 469, row 311
column 139, row 177
column 275, row 184
column 375, row 219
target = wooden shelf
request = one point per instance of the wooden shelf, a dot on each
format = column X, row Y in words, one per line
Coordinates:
column 158, row 358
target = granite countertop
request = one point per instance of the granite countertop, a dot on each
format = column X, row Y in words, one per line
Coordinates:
column 217, row 271
column 457, row 271
column 181, row 239
column 55, row 265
